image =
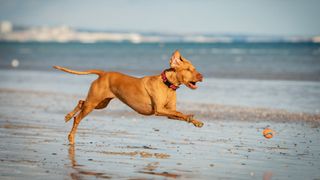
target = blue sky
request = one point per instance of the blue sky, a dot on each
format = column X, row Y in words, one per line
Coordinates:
column 259, row 17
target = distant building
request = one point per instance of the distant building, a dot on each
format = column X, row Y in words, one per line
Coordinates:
column 5, row 27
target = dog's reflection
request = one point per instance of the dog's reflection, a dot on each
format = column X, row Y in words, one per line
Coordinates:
column 72, row 156
column 79, row 170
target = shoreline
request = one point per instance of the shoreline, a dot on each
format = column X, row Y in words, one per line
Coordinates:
column 200, row 110
column 287, row 95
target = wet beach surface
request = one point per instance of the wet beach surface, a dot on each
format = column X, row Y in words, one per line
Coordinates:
column 120, row 144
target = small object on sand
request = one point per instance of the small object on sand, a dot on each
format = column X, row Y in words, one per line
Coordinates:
column 15, row 63
column 268, row 133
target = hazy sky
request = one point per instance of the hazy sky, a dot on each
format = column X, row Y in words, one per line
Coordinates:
column 265, row 17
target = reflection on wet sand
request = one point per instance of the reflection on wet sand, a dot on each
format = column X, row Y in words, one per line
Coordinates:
column 151, row 168
column 142, row 154
column 164, row 174
column 79, row 169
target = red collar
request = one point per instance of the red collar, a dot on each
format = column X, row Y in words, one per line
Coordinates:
column 167, row 82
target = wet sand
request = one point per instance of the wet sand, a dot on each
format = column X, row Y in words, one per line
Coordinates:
column 117, row 143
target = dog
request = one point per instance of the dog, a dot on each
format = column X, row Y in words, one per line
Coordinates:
column 149, row 95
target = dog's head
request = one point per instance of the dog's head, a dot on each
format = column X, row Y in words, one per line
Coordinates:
column 186, row 72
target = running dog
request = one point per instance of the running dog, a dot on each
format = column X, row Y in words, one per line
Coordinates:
column 149, row 95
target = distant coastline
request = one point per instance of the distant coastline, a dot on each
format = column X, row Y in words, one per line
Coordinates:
column 64, row 34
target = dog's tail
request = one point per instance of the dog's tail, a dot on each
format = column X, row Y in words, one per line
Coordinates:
column 93, row 71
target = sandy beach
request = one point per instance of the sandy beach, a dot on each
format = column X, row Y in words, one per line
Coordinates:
column 117, row 143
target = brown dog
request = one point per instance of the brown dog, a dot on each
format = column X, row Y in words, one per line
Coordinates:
column 147, row 95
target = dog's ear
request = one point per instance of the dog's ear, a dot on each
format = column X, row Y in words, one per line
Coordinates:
column 175, row 59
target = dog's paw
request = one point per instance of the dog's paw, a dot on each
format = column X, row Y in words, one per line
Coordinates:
column 197, row 123
column 67, row 117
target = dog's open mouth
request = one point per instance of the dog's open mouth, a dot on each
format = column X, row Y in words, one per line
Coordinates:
column 192, row 85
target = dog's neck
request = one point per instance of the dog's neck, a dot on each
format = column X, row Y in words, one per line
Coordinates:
column 171, row 77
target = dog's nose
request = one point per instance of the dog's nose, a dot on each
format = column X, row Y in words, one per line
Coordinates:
column 199, row 76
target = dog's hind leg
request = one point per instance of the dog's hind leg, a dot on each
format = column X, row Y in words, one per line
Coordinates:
column 74, row 111
column 87, row 108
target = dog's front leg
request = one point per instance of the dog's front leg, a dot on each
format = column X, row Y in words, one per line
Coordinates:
column 172, row 114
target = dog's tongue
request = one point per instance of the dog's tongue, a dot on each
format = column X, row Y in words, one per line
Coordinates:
column 193, row 85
